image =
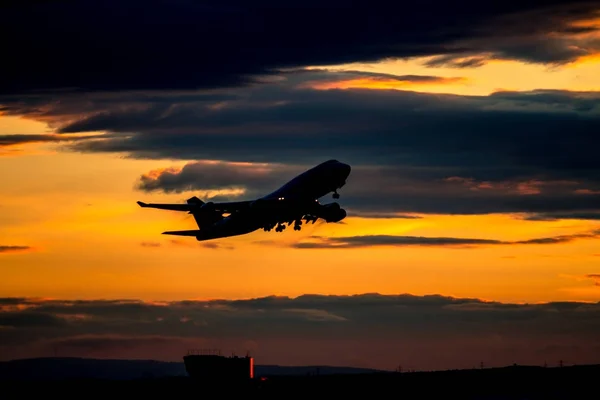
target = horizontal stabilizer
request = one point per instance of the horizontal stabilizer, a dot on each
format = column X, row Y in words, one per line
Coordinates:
column 172, row 207
column 194, row 232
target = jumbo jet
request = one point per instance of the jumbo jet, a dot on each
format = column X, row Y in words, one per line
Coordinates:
column 292, row 203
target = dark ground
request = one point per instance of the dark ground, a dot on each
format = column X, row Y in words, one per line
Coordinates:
column 574, row 382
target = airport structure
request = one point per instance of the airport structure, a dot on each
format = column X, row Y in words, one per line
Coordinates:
column 210, row 365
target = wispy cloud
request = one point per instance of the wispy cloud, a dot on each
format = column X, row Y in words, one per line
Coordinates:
column 192, row 243
column 12, row 249
column 371, row 80
column 150, row 244
column 319, row 242
column 595, row 278
column 18, row 139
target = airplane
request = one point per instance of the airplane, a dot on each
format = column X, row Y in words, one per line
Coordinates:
column 294, row 202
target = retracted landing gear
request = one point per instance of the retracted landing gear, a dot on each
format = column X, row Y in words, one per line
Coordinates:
column 336, row 195
column 298, row 225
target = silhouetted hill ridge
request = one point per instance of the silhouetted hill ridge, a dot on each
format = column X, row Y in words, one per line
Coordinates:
column 52, row 368
column 70, row 377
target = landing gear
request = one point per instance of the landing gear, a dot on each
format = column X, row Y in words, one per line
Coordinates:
column 336, row 195
column 310, row 218
column 267, row 228
column 298, row 225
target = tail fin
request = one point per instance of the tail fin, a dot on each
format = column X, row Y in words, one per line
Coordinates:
column 195, row 200
column 201, row 218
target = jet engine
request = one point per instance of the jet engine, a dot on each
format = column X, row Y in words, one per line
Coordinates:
column 333, row 212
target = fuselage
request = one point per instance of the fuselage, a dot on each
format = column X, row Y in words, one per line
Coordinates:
column 298, row 196
column 314, row 183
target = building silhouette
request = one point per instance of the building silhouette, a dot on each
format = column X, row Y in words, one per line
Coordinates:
column 210, row 365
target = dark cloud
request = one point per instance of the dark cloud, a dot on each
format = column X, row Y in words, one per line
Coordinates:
column 383, row 329
column 11, row 301
column 109, row 343
column 411, row 152
column 29, row 319
column 594, row 216
column 12, row 140
column 559, row 100
column 389, row 191
column 427, row 147
column 453, row 61
column 318, row 242
column 537, row 35
column 212, row 176
column 183, row 44
column 10, row 249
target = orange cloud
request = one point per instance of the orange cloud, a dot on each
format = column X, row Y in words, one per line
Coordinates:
column 383, row 83
column 587, row 34
column 589, row 26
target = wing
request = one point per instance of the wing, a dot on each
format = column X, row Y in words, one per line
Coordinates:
column 224, row 208
column 194, row 232
column 201, row 235
column 173, row 207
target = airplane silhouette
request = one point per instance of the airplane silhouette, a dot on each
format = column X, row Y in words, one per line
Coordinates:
column 295, row 201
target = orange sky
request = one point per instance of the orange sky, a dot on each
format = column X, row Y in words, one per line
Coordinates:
column 84, row 271
column 89, row 239
column 78, row 214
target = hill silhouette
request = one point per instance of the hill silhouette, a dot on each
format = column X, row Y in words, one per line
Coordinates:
column 54, row 368
column 72, row 377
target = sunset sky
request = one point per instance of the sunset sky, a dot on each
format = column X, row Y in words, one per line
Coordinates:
column 472, row 129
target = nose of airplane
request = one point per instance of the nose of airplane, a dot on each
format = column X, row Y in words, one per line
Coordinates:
column 345, row 168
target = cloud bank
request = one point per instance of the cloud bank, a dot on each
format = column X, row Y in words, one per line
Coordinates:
column 199, row 81
column 369, row 329
column 181, row 44
column 509, row 152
